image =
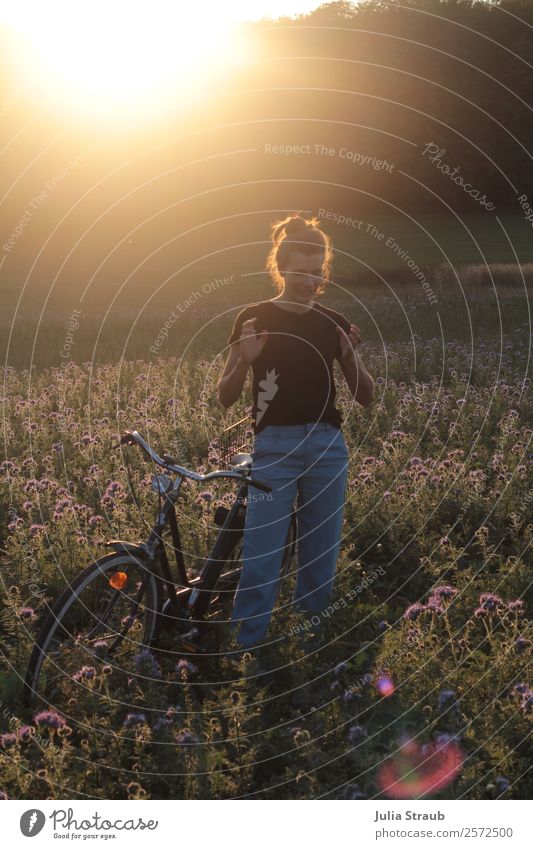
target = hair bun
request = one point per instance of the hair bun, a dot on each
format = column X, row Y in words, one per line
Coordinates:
column 295, row 225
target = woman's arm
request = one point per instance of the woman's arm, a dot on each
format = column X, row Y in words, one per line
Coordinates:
column 242, row 354
column 232, row 382
column 360, row 382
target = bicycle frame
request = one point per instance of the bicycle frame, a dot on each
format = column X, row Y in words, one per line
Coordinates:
column 188, row 599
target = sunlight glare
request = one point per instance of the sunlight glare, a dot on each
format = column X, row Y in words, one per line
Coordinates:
column 119, row 56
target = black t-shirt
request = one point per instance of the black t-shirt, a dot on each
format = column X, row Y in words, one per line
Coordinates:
column 293, row 381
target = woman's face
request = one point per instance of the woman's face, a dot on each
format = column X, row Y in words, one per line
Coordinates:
column 303, row 275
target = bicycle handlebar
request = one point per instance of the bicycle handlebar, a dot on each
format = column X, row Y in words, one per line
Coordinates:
column 133, row 437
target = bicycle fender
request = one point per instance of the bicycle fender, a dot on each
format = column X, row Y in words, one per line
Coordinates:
column 123, row 547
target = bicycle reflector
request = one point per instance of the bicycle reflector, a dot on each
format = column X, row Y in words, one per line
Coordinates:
column 118, row 580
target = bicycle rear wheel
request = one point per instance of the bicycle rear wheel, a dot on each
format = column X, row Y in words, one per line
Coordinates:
column 105, row 617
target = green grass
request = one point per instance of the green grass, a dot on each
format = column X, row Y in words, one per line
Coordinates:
column 433, row 239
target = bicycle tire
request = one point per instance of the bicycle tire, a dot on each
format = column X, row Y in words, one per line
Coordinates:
column 56, row 647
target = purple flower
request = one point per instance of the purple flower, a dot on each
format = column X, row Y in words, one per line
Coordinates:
column 527, row 700
column 350, row 695
column 87, row 439
column 341, row 667
column 128, row 621
column 442, row 739
column 502, row 784
column 25, row 733
column 520, row 644
column 352, row 792
column 8, row 740
column 63, row 505
column 146, row 664
column 27, row 613
column 134, row 719
column 87, row 672
column 444, row 592
column 516, row 606
column 50, row 719
column 172, row 713
column 414, row 611
column 187, row 738
column 100, row 647
column 205, row 496
column 356, row 733
column 185, row 666
column 114, row 491
column 489, row 602
column 434, row 603
column 447, row 699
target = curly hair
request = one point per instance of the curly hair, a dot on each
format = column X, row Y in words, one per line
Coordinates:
column 296, row 233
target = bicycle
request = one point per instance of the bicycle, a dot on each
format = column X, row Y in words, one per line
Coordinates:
column 116, row 606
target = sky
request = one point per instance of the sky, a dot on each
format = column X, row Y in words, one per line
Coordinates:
column 100, row 56
column 255, row 9
column 237, row 9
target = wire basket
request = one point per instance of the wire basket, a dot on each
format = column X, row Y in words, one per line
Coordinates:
column 235, row 439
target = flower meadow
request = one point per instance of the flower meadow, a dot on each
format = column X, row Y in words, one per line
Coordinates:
column 422, row 686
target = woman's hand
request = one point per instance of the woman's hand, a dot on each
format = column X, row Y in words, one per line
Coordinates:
column 251, row 343
column 349, row 341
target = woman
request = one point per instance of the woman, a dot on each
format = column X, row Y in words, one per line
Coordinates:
column 290, row 343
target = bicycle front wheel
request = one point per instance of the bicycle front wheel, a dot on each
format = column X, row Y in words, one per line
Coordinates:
column 104, row 618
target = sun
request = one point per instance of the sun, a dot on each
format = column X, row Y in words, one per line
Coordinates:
column 119, row 57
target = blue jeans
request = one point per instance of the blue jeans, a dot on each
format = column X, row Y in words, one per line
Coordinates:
column 310, row 462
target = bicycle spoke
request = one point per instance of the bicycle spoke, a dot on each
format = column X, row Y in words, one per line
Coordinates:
column 95, row 624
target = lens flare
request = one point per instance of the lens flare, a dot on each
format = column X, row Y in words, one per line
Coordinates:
column 385, row 685
column 416, row 770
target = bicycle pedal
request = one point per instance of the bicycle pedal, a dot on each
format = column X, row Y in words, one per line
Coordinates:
column 192, row 634
column 193, row 648
column 189, row 641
